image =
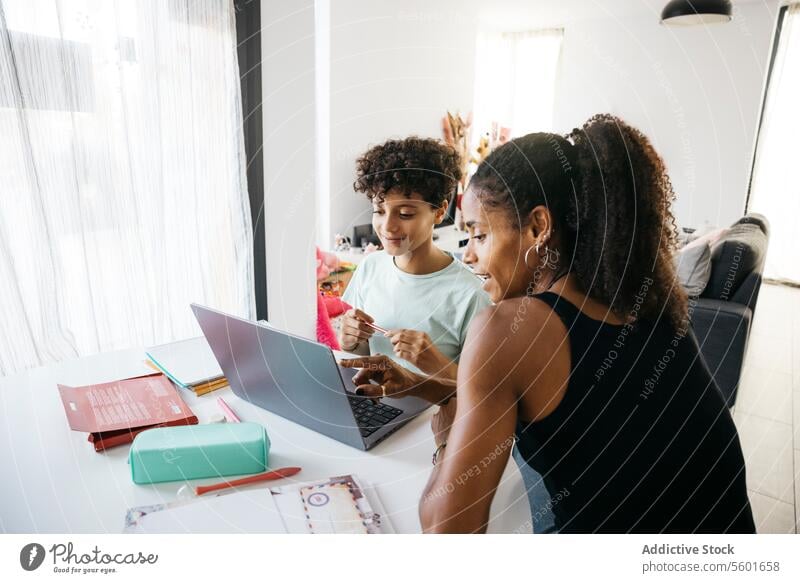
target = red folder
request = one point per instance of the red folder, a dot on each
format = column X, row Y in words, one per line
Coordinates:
column 116, row 412
column 105, row 440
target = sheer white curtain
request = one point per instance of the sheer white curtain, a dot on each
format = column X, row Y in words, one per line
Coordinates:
column 515, row 81
column 123, row 195
column 775, row 190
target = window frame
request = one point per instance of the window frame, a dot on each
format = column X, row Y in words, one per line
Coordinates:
column 248, row 49
column 773, row 53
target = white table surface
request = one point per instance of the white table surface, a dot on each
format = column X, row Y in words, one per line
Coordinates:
column 53, row 481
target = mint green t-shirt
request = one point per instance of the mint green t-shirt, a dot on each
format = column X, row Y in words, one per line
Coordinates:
column 441, row 303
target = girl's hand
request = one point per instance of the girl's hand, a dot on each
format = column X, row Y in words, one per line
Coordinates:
column 417, row 348
column 397, row 381
column 354, row 330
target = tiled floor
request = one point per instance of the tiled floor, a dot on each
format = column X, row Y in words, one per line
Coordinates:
column 767, row 411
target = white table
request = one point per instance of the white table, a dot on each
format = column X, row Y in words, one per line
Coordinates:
column 54, row 482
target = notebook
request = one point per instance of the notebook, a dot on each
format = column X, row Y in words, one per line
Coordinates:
column 199, row 389
column 190, row 364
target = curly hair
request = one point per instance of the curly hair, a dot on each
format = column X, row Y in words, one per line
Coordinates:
column 422, row 165
column 609, row 194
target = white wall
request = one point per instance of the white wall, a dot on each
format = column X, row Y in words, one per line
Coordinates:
column 396, row 67
column 696, row 92
column 287, row 48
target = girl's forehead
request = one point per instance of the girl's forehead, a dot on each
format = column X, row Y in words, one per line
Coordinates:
column 395, row 200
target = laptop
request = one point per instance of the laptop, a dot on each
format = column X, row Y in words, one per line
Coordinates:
column 300, row 380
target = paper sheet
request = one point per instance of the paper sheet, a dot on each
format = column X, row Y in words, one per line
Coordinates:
column 242, row 512
column 335, row 505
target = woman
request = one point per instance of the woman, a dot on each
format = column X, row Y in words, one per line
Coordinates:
column 586, row 359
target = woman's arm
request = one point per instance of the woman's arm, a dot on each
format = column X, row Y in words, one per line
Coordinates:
column 468, row 470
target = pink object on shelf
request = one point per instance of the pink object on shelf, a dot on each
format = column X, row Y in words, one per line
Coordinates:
column 326, row 264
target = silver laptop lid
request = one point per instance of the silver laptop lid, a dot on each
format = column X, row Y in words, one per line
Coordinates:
column 290, row 376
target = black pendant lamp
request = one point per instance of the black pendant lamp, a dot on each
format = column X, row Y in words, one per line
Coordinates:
column 689, row 12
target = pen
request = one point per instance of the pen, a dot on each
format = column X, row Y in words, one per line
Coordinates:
column 232, row 417
column 273, row 475
column 376, row 327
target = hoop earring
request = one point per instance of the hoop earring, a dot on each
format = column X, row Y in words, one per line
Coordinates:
column 535, row 248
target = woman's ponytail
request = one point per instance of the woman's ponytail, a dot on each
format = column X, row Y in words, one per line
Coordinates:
column 624, row 231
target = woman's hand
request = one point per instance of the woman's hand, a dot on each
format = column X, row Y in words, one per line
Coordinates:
column 397, row 381
column 354, row 330
column 442, row 421
column 417, row 348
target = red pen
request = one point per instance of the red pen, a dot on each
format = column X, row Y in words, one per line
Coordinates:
column 265, row 477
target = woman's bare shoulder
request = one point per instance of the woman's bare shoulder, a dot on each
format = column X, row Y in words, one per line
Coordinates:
column 528, row 316
column 519, row 326
column 523, row 347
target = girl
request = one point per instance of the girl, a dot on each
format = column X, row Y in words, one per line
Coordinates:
column 421, row 294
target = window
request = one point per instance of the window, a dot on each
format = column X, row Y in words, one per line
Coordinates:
column 123, row 188
column 775, row 182
column 515, row 81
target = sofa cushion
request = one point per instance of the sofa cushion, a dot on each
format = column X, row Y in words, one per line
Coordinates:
column 755, row 219
column 709, row 238
column 740, row 251
column 693, row 264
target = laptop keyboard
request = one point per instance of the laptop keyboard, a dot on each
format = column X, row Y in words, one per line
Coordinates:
column 370, row 416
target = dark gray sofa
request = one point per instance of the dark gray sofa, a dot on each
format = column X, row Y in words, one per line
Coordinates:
column 722, row 315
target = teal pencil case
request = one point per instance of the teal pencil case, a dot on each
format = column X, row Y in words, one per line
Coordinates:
column 167, row 454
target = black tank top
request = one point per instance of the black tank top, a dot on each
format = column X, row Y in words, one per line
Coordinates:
column 642, row 440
